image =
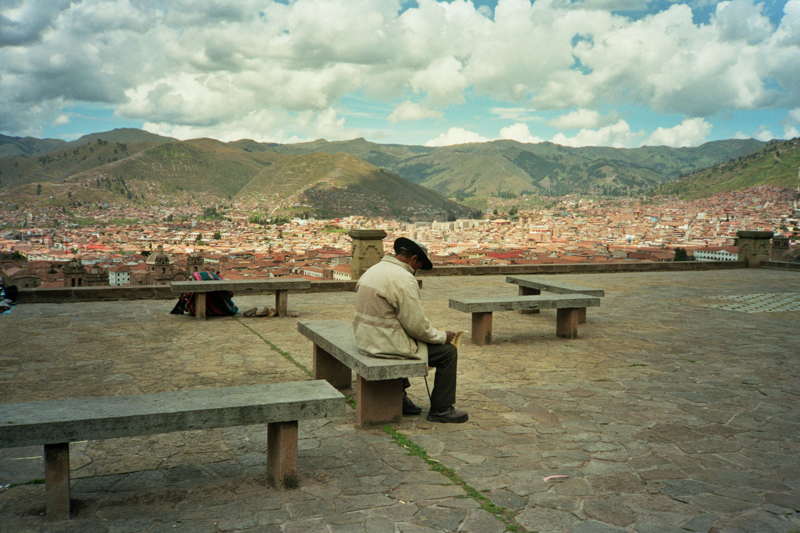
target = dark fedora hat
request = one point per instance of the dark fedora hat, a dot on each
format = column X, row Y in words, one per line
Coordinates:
column 414, row 248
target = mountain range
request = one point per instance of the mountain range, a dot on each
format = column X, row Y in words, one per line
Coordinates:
column 358, row 177
column 509, row 168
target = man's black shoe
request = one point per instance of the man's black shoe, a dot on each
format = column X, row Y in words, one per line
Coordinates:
column 409, row 407
column 450, row 414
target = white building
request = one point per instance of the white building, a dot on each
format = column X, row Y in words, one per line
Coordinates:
column 342, row 273
column 119, row 276
column 314, row 272
column 717, row 254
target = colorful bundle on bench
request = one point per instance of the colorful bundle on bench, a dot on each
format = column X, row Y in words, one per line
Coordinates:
column 218, row 303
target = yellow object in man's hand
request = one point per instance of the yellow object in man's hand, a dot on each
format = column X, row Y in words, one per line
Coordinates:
column 457, row 338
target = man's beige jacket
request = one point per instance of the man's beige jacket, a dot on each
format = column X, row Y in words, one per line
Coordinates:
column 390, row 320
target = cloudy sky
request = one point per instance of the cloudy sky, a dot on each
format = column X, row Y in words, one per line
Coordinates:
column 621, row 73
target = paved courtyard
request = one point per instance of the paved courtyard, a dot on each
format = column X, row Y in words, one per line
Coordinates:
column 677, row 409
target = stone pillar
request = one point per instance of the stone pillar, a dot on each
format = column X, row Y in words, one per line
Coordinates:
column 367, row 250
column 56, row 479
column 753, row 246
column 378, row 402
column 780, row 245
column 282, row 454
column 327, row 367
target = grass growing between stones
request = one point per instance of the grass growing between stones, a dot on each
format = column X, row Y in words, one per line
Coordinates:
column 501, row 513
column 35, row 481
column 286, row 355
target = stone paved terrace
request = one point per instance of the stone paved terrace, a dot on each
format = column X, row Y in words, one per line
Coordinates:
column 677, row 409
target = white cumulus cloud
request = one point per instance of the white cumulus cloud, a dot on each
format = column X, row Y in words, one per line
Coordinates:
column 515, row 113
column 200, row 65
column 60, row 120
column 691, row 132
column 618, row 135
column 412, row 111
column 581, row 118
column 764, row 134
column 519, row 132
column 456, row 136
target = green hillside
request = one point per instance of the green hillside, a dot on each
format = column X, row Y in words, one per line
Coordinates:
column 59, row 165
column 123, row 135
column 510, row 168
column 200, row 165
column 30, row 146
column 337, row 185
column 11, row 146
column 777, row 163
column 360, row 177
column 207, row 172
column 46, row 161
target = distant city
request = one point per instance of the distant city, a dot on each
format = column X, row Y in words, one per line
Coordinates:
column 116, row 245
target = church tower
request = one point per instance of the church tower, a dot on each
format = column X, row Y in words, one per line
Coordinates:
column 74, row 273
column 195, row 262
column 97, row 277
column 159, row 267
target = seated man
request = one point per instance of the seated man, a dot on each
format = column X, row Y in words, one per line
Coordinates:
column 390, row 322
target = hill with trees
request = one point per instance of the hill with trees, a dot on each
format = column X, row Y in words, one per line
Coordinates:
column 777, row 163
column 207, row 172
column 510, row 169
column 358, row 177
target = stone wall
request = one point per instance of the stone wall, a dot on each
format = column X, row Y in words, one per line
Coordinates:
column 781, row 265
column 139, row 292
column 582, row 268
column 162, row 292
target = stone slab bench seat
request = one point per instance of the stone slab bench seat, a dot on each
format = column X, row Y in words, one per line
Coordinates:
column 379, row 382
column 532, row 285
column 56, row 423
column 568, row 308
column 280, row 287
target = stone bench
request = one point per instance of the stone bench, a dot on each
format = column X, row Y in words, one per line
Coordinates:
column 568, row 306
column 379, row 382
column 56, row 423
column 241, row 287
column 529, row 285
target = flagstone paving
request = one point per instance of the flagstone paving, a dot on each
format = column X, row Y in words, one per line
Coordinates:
column 760, row 303
column 671, row 412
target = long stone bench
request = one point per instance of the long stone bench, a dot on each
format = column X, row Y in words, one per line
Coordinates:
column 530, row 285
column 281, row 287
column 56, row 423
column 568, row 310
column 379, row 382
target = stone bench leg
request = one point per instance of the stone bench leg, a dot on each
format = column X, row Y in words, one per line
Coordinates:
column 282, row 454
column 56, row 480
column 527, row 291
column 378, row 402
column 327, row 367
column 567, row 323
column 282, row 303
column 200, row 305
column 482, row 328
column 582, row 315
